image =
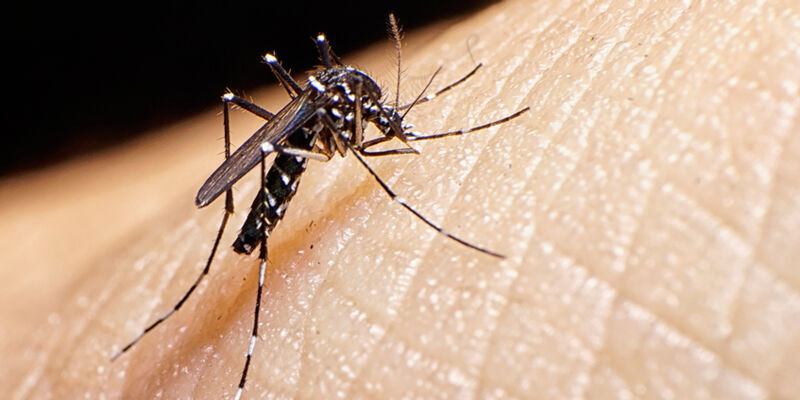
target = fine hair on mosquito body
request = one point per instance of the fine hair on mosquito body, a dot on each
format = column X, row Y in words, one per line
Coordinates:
column 325, row 116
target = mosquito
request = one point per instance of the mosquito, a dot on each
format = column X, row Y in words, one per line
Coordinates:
column 325, row 117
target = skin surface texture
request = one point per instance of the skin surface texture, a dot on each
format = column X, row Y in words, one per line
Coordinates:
column 648, row 206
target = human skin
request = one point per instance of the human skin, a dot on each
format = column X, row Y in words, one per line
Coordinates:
column 647, row 206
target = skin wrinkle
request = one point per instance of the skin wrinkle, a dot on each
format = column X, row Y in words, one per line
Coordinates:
column 594, row 331
column 758, row 250
column 725, row 220
column 479, row 387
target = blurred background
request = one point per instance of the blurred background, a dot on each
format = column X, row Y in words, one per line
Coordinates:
column 79, row 78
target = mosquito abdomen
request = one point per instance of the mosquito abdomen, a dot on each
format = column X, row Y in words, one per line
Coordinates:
column 279, row 187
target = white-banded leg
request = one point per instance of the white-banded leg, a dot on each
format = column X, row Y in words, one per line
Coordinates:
column 325, row 119
column 405, row 205
column 225, row 216
column 247, row 105
column 391, row 152
column 432, row 96
column 326, row 55
column 286, row 80
column 414, row 137
column 262, row 269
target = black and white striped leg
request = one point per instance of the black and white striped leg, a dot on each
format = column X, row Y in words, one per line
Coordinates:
column 262, row 269
column 413, row 137
column 286, row 80
column 379, row 140
column 247, row 105
column 405, row 205
column 440, row 91
column 326, row 55
column 228, row 213
column 325, row 119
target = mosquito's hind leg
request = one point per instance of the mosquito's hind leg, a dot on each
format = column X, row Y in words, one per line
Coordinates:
column 228, row 213
column 262, row 268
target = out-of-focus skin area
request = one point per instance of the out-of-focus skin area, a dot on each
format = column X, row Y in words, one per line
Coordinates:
column 647, row 206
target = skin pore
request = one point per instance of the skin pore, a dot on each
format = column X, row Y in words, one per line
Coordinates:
column 647, row 206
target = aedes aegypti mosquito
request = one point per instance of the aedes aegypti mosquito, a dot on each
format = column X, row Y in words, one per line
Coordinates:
column 324, row 117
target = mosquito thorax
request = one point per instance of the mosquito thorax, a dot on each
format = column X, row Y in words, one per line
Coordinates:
column 347, row 78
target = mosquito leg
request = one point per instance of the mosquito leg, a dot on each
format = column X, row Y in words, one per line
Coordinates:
column 324, row 49
column 391, row 152
column 442, row 90
column 326, row 55
column 228, row 213
column 262, row 268
column 412, row 137
column 421, row 92
column 405, row 205
column 291, row 86
column 325, row 119
column 293, row 151
column 376, row 141
column 247, row 105
column 379, row 140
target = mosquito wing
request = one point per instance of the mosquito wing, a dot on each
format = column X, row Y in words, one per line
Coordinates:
column 290, row 118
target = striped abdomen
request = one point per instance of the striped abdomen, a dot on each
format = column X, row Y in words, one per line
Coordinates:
column 280, row 185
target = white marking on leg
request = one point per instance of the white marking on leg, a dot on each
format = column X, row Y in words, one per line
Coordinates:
column 252, row 345
column 315, row 83
column 261, row 271
column 267, row 147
